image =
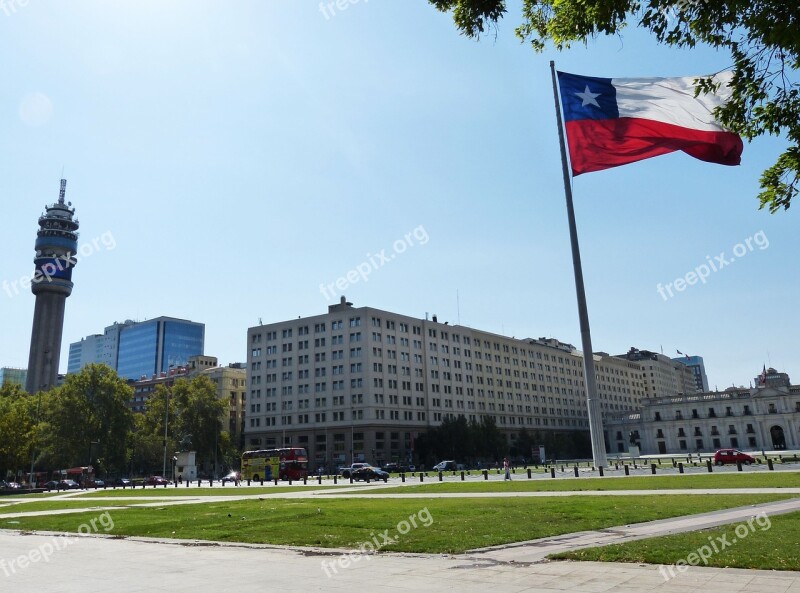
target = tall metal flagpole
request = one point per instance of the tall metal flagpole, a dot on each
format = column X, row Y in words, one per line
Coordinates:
column 592, row 400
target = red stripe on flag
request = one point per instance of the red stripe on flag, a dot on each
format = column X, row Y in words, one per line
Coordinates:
column 595, row 145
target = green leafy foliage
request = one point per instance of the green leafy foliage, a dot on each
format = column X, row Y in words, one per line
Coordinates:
column 87, row 419
column 762, row 38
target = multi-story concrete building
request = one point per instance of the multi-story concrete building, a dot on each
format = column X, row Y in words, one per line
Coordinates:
column 97, row 348
column 12, row 376
column 660, row 374
column 362, row 383
column 140, row 349
column 765, row 417
column 698, row 367
column 231, row 382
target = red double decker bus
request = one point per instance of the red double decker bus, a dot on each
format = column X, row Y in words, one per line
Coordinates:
column 290, row 463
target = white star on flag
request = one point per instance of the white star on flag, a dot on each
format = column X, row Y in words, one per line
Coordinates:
column 588, row 97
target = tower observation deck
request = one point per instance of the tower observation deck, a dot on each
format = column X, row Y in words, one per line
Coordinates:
column 56, row 255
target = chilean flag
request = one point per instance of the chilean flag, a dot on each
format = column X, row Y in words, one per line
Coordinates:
column 616, row 121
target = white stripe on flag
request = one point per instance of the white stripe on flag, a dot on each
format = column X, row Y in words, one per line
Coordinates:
column 672, row 100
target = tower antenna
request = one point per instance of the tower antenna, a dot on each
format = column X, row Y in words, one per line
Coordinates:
column 63, row 191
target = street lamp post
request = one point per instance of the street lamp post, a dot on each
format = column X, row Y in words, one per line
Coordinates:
column 166, row 418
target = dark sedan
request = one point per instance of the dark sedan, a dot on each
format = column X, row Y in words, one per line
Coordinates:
column 369, row 473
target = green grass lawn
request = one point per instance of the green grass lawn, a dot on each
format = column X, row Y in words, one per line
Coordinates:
column 685, row 481
column 776, row 547
column 457, row 525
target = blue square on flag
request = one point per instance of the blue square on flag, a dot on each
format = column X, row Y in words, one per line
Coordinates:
column 587, row 97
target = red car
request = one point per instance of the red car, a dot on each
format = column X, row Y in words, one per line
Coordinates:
column 155, row 481
column 724, row 456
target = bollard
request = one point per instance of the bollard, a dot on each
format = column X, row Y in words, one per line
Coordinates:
column 529, row 473
column 276, row 481
column 709, row 466
column 199, row 483
column 674, row 464
column 440, row 476
column 248, row 481
column 319, row 479
column 680, row 468
column 653, row 468
column 769, row 464
column 403, row 477
column 262, row 481
column 601, row 471
column 486, row 474
column 462, row 476
column 576, row 471
column 552, row 472
column 421, row 477
column 187, row 483
column 627, row 469
column 739, row 466
column 634, row 464
column 335, row 479
column 351, row 478
column 290, row 481
column 210, row 482
column 616, row 466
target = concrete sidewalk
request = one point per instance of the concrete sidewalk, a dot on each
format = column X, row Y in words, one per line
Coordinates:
column 131, row 566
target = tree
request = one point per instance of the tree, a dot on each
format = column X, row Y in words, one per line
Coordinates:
column 87, row 419
column 17, row 428
column 193, row 423
column 199, row 411
column 761, row 36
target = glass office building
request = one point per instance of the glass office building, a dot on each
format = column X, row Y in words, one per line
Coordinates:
column 142, row 349
column 11, row 376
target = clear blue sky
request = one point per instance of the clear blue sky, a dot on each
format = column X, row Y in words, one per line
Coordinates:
column 242, row 154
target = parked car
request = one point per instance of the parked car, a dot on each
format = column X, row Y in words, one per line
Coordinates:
column 9, row 485
column 155, row 481
column 95, row 483
column 397, row 467
column 68, row 485
column 52, row 485
column 122, row 482
column 443, row 466
column 345, row 471
column 723, row 456
column 369, row 474
column 234, row 477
